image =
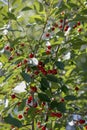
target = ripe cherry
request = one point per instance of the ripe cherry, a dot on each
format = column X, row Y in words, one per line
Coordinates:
column 47, row 34
column 20, row 116
column 48, row 51
column 31, row 55
column 78, row 23
column 80, row 29
column 13, row 96
column 49, row 47
column 7, row 47
column 25, row 61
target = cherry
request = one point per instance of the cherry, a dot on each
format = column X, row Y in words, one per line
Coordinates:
column 62, row 100
column 53, row 28
column 20, row 116
column 7, row 47
column 54, row 71
column 81, row 121
column 36, row 72
column 78, row 23
column 30, row 98
column 47, row 51
column 61, row 20
column 80, row 29
column 33, row 88
column 59, row 115
column 13, row 96
column 55, row 25
column 49, row 47
column 47, row 34
column 25, row 61
column 60, row 26
column 10, row 58
column 11, row 49
column 31, row 55
column 43, row 128
column 76, row 88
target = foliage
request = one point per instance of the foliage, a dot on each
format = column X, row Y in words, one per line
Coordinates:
column 43, row 45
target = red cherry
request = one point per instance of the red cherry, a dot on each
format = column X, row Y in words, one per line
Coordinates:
column 76, row 88
column 80, row 29
column 39, row 124
column 53, row 28
column 10, row 58
column 74, row 26
column 13, row 96
column 44, row 72
column 22, row 44
column 53, row 114
column 7, row 47
column 61, row 20
column 25, row 61
column 60, row 26
column 47, row 51
column 81, row 121
column 49, row 47
column 33, row 88
column 78, row 23
column 11, row 49
column 49, row 71
column 47, row 34
column 36, row 72
column 62, row 100
column 43, row 104
column 30, row 98
column 59, row 115
column 19, row 64
column 31, row 55
column 86, row 127
column 56, row 25
column 43, row 128
column 27, row 108
column 20, row 116
column 54, row 71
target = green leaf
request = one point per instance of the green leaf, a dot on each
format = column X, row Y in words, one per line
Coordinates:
column 44, row 84
column 26, row 8
column 53, row 104
column 64, row 89
column 60, row 65
column 53, row 78
column 11, row 16
column 26, row 77
column 43, row 97
column 22, row 105
column 70, row 97
column 61, row 107
column 13, row 121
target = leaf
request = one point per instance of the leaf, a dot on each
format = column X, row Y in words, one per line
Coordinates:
column 22, row 105
column 61, row 107
column 53, row 78
column 43, row 97
column 70, row 98
column 44, row 84
column 13, row 121
column 11, row 16
column 53, row 104
column 64, row 89
column 26, row 77
column 26, row 8
column 60, row 65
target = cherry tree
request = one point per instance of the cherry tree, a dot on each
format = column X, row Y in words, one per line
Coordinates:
column 43, row 64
